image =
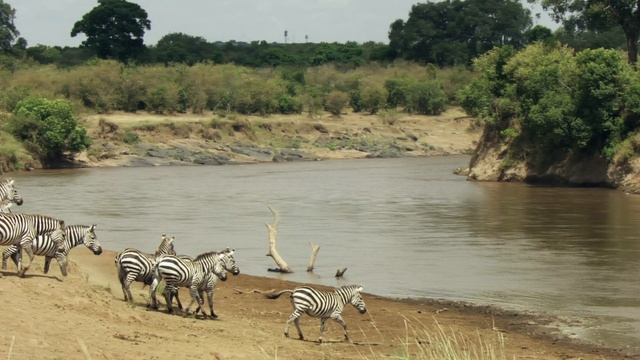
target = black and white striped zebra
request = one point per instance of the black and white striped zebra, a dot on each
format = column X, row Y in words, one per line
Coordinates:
column 44, row 245
column 322, row 304
column 134, row 265
column 208, row 286
column 196, row 274
column 8, row 195
column 22, row 229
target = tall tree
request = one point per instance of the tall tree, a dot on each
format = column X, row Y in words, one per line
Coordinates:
column 8, row 31
column 114, row 29
column 456, row 31
column 600, row 14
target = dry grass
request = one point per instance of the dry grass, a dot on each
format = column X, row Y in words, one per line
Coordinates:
column 435, row 342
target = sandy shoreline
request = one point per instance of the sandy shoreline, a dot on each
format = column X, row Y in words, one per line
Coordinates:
column 97, row 324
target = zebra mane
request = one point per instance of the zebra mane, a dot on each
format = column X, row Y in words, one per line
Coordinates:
column 205, row 255
column 357, row 288
column 4, row 182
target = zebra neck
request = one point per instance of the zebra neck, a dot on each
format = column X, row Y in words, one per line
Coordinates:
column 74, row 238
column 344, row 296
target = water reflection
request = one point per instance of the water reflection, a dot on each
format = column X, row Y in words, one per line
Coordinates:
column 404, row 227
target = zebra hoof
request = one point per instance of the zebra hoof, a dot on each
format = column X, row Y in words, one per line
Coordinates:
column 213, row 317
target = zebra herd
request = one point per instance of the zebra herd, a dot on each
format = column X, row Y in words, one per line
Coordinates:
column 49, row 237
column 200, row 274
column 38, row 234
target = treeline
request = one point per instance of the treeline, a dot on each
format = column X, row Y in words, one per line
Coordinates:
column 107, row 85
column 186, row 49
column 444, row 33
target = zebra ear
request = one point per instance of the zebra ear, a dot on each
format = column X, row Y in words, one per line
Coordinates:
column 359, row 289
column 61, row 223
column 11, row 181
column 93, row 228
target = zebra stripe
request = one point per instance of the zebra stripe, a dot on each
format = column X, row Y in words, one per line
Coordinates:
column 208, row 286
column 21, row 229
column 322, row 304
column 197, row 274
column 9, row 193
column 44, row 245
column 134, row 265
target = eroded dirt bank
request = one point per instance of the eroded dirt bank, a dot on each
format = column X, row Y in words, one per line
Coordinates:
column 125, row 139
column 84, row 317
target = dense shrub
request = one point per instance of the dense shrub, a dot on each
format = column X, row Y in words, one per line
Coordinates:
column 426, row 98
column 562, row 101
column 48, row 128
column 336, row 101
column 374, row 98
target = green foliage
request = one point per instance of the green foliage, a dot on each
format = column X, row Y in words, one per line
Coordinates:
column 8, row 31
column 48, row 128
column 114, row 29
column 288, row 104
column 130, row 137
column 374, row 98
column 585, row 102
column 336, row 101
column 599, row 15
column 426, row 98
column 438, row 32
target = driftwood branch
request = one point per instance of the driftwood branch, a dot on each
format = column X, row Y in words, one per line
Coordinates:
column 314, row 253
column 340, row 272
column 272, row 232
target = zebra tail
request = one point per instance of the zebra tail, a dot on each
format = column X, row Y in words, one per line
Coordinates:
column 275, row 295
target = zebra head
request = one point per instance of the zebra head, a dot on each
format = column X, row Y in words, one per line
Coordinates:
column 229, row 261
column 218, row 267
column 5, row 207
column 91, row 240
column 9, row 192
column 166, row 246
column 356, row 298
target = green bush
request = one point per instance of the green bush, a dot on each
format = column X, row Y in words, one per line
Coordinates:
column 426, row 98
column 288, row 104
column 48, row 128
column 336, row 101
column 130, row 137
column 374, row 98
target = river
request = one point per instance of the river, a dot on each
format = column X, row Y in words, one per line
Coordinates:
column 404, row 227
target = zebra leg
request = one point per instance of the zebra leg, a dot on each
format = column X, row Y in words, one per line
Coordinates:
column 338, row 318
column 27, row 247
column 167, row 298
column 196, row 297
column 295, row 318
column 323, row 322
column 13, row 252
column 122, row 277
column 210, row 301
column 62, row 262
column 153, row 288
column 176, row 295
column 126, row 287
column 47, row 263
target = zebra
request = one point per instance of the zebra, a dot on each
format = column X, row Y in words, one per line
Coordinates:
column 22, row 229
column 134, row 265
column 208, row 286
column 44, row 245
column 195, row 274
column 8, row 195
column 322, row 304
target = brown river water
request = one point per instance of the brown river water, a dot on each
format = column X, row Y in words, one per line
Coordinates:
column 403, row 227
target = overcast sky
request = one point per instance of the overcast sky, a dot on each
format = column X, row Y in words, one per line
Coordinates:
column 49, row 22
